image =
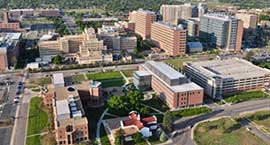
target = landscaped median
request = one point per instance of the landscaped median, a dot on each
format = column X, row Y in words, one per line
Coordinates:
column 261, row 118
column 39, row 122
column 224, row 131
column 108, row 79
column 191, row 112
column 246, row 96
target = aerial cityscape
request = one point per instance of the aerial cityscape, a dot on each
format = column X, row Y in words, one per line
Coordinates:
column 135, row 72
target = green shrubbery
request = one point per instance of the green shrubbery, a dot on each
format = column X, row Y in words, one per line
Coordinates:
column 245, row 96
column 191, row 112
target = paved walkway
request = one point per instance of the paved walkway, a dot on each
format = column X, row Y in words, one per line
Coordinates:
column 42, row 133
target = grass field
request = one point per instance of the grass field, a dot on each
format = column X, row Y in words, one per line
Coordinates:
column 128, row 73
column 78, row 78
column 155, row 102
column 245, row 96
column 38, row 118
column 41, row 81
column 35, row 140
column 224, row 132
column 103, row 136
column 37, row 121
column 37, row 21
column 108, row 79
column 261, row 118
column 177, row 63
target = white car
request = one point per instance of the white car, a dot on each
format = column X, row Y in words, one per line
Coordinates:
column 16, row 100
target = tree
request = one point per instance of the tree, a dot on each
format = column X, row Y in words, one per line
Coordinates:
column 163, row 137
column 138, row 138
column 249, row 55
column 134, row 98
column 168, row 121
column 57, row 59
column 116, row 102
column 119, row 137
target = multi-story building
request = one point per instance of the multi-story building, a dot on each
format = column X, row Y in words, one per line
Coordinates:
column 115, row 38
column 172, row 13
column 250, row 20
column 9, row 49
column 192, row 26
column 170, row 38
column 49, row 13
column 142, row 20
column 71, row 125
column 202, row 9
column 9, row 26
column 171, row 85
column 223, row 77
column 85, row 47
column 16, row 13
column 221, row 31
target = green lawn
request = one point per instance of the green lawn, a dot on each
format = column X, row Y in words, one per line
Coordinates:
column 103, row 136
column 224, row 132
column 261, row 118
column 191, row 112
column 36, row 89
column 41, row 81
column 93, row 115
column 155, row 102
column 108, row 79
column 245, row 96
column 78, row 78
column 35, row 140
column 129, row 73
column 37, row 21
column 177, row 63
column 38, row 117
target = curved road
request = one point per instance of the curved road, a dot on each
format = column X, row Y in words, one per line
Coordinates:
column 182, row 126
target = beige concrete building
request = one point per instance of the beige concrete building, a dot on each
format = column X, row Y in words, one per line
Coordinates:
column 171, row 39
column 86, row 48
column 172, row 13
column 142, row 20
column 250, row 20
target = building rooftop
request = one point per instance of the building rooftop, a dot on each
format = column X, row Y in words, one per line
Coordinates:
column 230, row 69
column 166, row 70
column 186, row 87
column 62, row 108
column 143, row 73
column 58, row 78
column 170, row 26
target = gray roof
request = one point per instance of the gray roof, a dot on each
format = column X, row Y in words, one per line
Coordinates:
column 62, row 107
column 166, row 70
column 186, row 87
column 230, row 68
column 143, row 73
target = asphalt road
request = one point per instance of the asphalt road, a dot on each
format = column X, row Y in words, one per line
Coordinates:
column 184, row 132
column 9, row 111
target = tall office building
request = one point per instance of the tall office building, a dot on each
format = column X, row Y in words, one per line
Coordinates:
column 172, row 13
column 143, row 20
column 250, row 20
column 170, row 38
column 220, row 31
column 202, row 9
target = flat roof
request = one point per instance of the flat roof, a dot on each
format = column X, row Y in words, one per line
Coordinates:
column 166, row 70
column 194, row 45
column 142, row 73
column 58, row 78
column 233, row 68
column 186, row 87
column 62, row 107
